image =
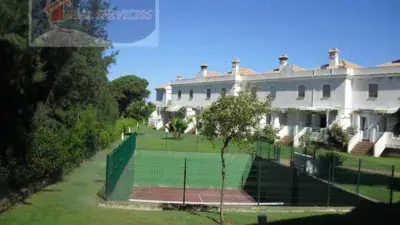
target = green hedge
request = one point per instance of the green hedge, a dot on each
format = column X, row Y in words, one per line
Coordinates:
column 65, row 148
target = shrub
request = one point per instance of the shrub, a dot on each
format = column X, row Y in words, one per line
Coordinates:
column 177, row 126
column 332, row 159
column 122, row 126
column 337, row 137
column 268, row 133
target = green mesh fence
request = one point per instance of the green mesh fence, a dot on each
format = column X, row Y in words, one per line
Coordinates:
column 118, row 183
column 270, row 175
column 203, row 170
column 363, row 177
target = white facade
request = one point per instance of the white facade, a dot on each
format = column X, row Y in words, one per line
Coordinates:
column 348, row 89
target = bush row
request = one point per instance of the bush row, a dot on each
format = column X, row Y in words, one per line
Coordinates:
column 56, row 148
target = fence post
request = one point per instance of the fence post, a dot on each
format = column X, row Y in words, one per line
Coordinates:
column 197, row 143
column 329, row 185
column 358, row 177
column 258, row 183
column 269, row 151
column 333, row 170
column 166, row 140
column 295, row 190
column 291, row 153
column 184, row 183
column 391, row 186
column 279, row 155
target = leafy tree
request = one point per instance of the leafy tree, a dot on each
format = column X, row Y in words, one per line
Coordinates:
column 329, row 160
column 268, row 133
column 128, row 89
column 233, row 119
column 177, row 126
column 337, row 137
column 396, row 127
column 56, row 102
column 140, row 110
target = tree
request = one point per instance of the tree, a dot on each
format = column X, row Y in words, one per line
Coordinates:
column 337, row 137
column 177, row 126
column 233, row 119
column 55, row 100
column 128, row 89
column 140, row 110
column 396, row 127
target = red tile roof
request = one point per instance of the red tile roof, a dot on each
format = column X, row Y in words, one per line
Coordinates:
column 294, row 67
column 391, row 63
column 342, row 64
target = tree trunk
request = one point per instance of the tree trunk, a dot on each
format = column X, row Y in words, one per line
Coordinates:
column 221, row 210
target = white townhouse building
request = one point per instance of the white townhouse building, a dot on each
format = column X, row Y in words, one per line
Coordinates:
column 304, row 100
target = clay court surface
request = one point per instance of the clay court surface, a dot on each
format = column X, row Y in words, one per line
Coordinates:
column 193, row 195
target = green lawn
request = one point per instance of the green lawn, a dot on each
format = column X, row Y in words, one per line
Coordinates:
column 156, row 140
column 152, row 140
column 74, row 201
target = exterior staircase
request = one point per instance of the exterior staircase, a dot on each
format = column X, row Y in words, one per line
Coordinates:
column 287, row 140
column 363, row 148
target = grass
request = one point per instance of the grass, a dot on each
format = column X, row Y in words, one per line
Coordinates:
column 74, row 201
column 152, row 140
column 159, row 141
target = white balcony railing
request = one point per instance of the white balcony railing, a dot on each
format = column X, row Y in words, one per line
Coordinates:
column 297, row 137
column 284, row 131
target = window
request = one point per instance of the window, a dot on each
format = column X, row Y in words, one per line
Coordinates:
column 373, row 91
column 326, row 91
column 223, row 91
column 301, row 92
column 208, row 93
column 272, row 93
column 179, row 94
column 160, row 96
column 191, row 95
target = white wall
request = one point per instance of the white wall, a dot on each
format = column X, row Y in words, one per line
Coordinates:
column 199, row 93
column 168, row 92
column 287, row 92
column 166, row 96
column 388, row 93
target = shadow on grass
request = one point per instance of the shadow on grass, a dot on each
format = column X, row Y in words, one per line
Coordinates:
column 172, row 138
column 51, row 190
column 348, row 176
column 270, row 182
column 188, row 208
column 365, row 214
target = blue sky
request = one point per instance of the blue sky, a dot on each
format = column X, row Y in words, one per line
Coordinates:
column 257, row 32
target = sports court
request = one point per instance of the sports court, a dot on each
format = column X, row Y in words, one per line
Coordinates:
column 193, row 178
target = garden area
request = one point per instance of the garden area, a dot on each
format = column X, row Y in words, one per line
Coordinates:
column 74, row 201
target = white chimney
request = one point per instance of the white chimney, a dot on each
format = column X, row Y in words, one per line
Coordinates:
column 179, row 77
column 203, row 68
column 283, row 60
column 333, row 57
column 235, row 66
